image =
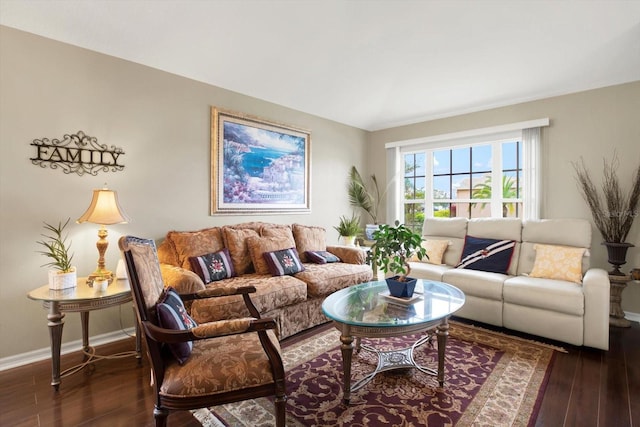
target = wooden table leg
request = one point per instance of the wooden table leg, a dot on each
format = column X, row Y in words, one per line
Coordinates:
column 84, row 320
column 442, row 332
column 347, row 353
column 56, row 322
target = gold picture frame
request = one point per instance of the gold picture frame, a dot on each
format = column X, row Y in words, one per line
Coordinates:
column 258, row 166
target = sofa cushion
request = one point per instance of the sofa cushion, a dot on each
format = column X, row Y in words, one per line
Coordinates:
column 452, row 229
column 272, row 292
column 490, row 255
column 284, row 261
column 213, row 266
column 259, row 245
column 183, row 281
column 308, row 238
column 558, row 262
column 193, row 243
column 477, row 283
column 324, row 279
column 348, row 254
column 563, row 232
column 277, row 230
column 321, row 257
column 173, row 315
column 435, row 250
column 445, row 227
column 235, row 240
column 547, row 294
column 423, row 270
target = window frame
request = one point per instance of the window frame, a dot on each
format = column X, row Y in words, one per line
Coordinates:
column 496, row 201
column 528, row 132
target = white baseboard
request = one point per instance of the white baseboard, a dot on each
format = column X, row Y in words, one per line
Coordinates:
column 634, row 317
column 70, row 347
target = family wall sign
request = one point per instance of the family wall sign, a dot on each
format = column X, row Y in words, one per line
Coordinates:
column 77, row 153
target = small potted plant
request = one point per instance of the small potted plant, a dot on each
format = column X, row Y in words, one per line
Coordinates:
column 393, row 247
column 349, row 228
column 62, row 274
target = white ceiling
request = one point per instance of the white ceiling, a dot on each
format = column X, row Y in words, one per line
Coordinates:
column 369, row 64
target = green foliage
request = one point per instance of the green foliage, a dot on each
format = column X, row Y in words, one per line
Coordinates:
column 56, row 247
column 393, row 248
column 443, row 213
column 509, row 191
column 361, row 196
column 349, row 226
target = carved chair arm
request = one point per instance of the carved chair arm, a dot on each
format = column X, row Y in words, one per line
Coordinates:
column 218, row 328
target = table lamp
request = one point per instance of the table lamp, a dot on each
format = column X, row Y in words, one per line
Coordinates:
column 103, row 210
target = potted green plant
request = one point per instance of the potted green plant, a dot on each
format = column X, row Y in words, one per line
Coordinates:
column 393, row 248
column 62, row 274
column 349, row 228
column 365, row 197
column 613, row 212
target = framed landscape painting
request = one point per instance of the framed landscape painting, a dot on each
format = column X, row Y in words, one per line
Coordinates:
column 258, row 166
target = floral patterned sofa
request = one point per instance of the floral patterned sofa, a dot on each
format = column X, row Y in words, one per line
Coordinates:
column 233, row 256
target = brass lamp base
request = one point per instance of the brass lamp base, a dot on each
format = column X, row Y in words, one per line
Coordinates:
column 105, row 274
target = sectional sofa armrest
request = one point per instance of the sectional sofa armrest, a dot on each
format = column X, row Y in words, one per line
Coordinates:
column 596, row 308
column 182, row 280
column 349, row 255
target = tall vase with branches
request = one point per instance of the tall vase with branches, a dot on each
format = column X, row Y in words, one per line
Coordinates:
column 613, row 211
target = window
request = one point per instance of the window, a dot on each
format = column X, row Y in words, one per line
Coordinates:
column 489, row 172
column 461, row 182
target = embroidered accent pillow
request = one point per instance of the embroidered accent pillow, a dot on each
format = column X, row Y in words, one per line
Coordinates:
column 558, row 262
column 486, row 254
column 435, row 251
column 283, row 262
column 173, row 315
column 213, row 267
column 321, row 257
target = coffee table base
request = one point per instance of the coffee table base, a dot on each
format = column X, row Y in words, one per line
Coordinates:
column 394, row 359
column 388, row 360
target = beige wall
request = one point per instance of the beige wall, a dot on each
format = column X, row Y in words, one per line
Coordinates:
column 591, row 124
column 162, row 122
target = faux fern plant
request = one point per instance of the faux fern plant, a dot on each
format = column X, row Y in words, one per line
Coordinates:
column 56, row 248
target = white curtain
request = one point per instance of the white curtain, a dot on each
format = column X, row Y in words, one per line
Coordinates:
column 394, row 186
column 531, row 172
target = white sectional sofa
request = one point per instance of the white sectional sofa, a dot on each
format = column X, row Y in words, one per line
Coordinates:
column 575, row 313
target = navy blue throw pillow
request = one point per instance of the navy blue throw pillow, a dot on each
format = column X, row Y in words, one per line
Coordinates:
column 321, row 257
column 283, row 262
column 213, row 267
column 173, row 315
column 486, row 254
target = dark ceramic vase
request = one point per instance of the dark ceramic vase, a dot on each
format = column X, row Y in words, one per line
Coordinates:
column 401, row 289
column 617, row 256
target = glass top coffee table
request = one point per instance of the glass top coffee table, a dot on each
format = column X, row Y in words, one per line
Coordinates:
column 367, row 310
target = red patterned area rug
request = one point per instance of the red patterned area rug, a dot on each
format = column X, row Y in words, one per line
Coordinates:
column 492, row 379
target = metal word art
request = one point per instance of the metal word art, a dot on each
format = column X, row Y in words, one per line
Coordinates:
column 77, row 153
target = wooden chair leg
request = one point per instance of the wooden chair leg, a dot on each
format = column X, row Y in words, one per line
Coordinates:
column 160, row 415
column 281, row 404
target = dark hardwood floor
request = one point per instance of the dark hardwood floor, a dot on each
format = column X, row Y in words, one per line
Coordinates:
column 586, row 388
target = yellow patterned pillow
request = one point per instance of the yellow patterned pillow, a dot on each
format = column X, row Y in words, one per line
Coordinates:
column 435, row 251
column 558, row 262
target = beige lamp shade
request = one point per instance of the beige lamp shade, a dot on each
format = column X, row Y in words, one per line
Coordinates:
column 104, row 209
